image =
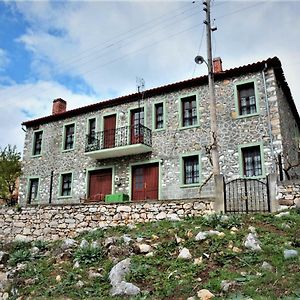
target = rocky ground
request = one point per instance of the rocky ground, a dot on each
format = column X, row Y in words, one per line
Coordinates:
column 217, row 256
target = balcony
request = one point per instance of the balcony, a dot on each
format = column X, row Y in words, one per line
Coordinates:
column 128, row 140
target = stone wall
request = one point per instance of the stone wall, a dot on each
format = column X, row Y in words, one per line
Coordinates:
column 60, row 221
column 288, row 193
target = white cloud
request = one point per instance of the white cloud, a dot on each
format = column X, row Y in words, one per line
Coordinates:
column 4, row 60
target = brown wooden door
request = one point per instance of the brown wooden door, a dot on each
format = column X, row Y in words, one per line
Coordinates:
column 109, row 131
column 136, row 132
column 100, row 184
column 145, row 182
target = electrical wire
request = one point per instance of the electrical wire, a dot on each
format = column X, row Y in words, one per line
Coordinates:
column 199, row 48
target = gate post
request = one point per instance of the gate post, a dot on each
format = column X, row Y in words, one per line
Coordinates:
column 272, row 189
column 219, row 194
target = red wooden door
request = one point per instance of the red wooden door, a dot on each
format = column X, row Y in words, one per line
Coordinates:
column 109, row 131
column 136, row 132
column 145, row 182
column 100, row 184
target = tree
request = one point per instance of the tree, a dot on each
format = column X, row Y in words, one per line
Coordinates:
column 10, row 170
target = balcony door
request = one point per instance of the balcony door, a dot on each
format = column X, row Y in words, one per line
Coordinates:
column 137, row 132
column 109, row 133
column 145, row 182
column 100, row 184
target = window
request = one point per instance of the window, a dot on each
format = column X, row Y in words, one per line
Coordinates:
column 33, row 189
column 69, row 137
column 37, row 142
column 191, row 169
column 246, row 99
column 252, row 165
column 66, row 185
column 92, row 131
column 189, row 111
column 159, row 115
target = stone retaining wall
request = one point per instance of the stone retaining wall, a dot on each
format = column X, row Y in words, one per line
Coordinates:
column 55, row 222
column 288, row 193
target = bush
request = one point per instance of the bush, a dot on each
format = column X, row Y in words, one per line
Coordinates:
column 19, row 256
column 88, row 255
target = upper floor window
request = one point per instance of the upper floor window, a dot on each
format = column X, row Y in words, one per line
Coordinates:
column 66, row 185
column 33, row 189
column 37, row 142
column 252, row 162
column 91, row 131
column 191, row 169
column 189, row 111
column 246, row 99
column 159, row 115
column 69, row 135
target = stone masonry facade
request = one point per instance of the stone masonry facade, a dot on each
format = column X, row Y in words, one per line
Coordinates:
column 267, row 128
column 62, row 221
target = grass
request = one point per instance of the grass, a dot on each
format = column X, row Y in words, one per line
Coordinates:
column 164, row 276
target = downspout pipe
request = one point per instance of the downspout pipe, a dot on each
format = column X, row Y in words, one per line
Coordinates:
column 269, row 118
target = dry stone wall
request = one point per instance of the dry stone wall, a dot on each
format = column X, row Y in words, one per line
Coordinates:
column 56, row 222
column 288, row 194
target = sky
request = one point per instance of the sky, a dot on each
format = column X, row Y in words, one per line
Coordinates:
column 90, row 51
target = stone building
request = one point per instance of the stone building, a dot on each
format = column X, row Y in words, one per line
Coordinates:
column 153, row 145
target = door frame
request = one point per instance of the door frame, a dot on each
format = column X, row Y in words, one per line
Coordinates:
column 146, row 162
column 87, row 178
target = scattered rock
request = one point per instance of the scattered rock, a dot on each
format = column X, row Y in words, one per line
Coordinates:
column 290, row 253
column 5, row 296
column 109, row 241
column 282, row 214
column 178, row 239
column 226, row 284
column 150, row 254
column 252, row 242
column 92, row 274
column 79, row 284
column 185, row 254
column 116, row 277
column 202, row 235
column 84, row 244
column 221, row 234
column 234, row 229
column 67, row 244
column 124, row 288
column 143, row 248
column 34, row 251
column 58, row 278
column 189, row 234
column 126, row 239
column 95, row 244
column 76, row 265
column 191, row 298
column 198, row 260
column 205, row 294
column 4, row 256
column 252, row 229
column 266, row 266
column 236, row 250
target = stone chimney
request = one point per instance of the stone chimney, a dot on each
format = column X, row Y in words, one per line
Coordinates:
column 59, row 106
column 217, row 65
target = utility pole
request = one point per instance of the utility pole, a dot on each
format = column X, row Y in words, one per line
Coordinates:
column 211, row 85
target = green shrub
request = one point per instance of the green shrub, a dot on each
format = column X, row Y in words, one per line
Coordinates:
column 88, row 255
column 19, row 256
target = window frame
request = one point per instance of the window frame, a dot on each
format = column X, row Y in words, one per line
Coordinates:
column 60, row 185
column 154, row 104
column 28, row 199
column 182, row 169
column 180, row 108
column 65, row 136
column 237, row 86
column 88, row 127
column 35, row 132
column 241, row 159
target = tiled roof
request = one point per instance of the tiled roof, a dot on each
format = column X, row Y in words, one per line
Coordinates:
column 255, row 67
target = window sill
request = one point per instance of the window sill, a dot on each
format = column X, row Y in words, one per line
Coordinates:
column 255, row 177
column 190, row 185
column 64, row 197
column 38, row 155
column 246, row 116
column 158, row 130
column 189, row 127
column 67, row 150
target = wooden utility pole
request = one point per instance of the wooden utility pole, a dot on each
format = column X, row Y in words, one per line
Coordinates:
column 211, row 85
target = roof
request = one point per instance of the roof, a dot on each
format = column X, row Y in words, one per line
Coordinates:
column 255, row 67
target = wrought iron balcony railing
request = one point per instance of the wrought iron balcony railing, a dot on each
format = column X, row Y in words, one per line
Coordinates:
column 123, row 136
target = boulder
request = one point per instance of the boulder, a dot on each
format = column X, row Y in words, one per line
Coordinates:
column 252, row 242
column 124, row 288
column 290, row 253
column 143, row 248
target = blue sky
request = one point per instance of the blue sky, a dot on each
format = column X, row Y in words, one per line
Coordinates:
column 88, row 51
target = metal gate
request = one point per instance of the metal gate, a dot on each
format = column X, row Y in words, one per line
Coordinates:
column 246, row 196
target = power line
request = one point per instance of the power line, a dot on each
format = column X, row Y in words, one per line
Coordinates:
column 199, row 48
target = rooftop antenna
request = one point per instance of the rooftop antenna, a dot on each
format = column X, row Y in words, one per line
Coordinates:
column 140, row 84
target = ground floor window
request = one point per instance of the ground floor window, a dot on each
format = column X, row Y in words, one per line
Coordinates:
column 66, row 185
column 33, row 189
column 252, row 165
column 191, row 169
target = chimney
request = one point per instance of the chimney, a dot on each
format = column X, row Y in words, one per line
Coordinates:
column 217, row 65
column 59, row 106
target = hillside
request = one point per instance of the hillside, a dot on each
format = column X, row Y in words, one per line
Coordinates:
column 213, row 250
